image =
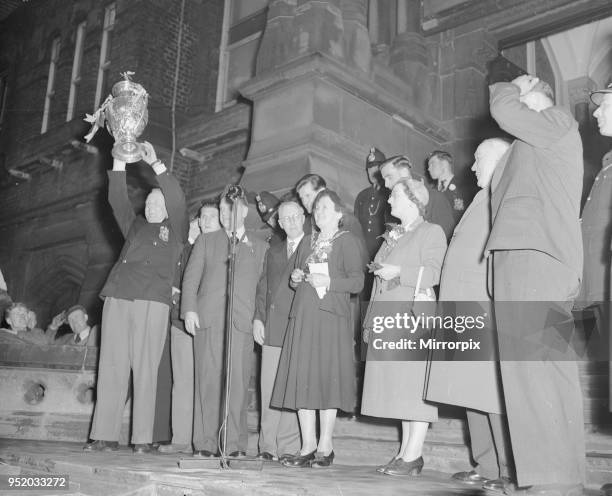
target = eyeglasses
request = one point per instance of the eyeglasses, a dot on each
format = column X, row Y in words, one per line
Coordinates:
column 290, row 218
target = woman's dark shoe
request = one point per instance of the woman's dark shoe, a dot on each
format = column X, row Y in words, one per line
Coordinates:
column 382, row 468
column 323, row 460
column 300, row 461
column 402, row 467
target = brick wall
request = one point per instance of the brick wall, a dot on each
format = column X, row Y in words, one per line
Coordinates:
column 58, row 225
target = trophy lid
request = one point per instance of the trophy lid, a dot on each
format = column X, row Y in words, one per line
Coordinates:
column 128, row 86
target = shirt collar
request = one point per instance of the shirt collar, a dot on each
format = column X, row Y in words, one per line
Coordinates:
column 295, row 241
column 84, row 333
column 444, row 183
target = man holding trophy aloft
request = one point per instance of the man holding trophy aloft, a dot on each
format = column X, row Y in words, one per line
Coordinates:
column 138, row 290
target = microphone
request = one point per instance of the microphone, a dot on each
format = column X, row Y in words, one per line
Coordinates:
column 234, row 192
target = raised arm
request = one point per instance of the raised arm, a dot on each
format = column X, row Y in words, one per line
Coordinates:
column 541, row 129
column 174, row 197
column 118, row 197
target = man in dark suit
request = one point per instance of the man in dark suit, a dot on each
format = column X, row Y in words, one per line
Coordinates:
column 181, row 343
column 203, row 307
column 137, row 296
column 279, row 432
column 536, row 246
column 438, row 209
column 440, row 166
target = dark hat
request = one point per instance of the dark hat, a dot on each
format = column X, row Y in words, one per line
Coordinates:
column 267, row 204
column 597, row 96
column 374, row 158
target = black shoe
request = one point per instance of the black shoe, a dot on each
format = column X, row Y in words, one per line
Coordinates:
column 237, row 454
column 471, row 477
column 266, row 456
column 402, row 467
column 101, row 446
column 300, row 461
column 606, row 489
column 501, row 485
column 324, row 460
column 204, row 454
column 141, row 449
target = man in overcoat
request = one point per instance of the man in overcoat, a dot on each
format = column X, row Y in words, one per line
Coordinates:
column 475, row 385
column 536, row 246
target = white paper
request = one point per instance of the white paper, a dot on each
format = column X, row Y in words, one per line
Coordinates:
column 319, row 268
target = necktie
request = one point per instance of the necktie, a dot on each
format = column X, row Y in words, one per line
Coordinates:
column 290, row 248
column 77, row 339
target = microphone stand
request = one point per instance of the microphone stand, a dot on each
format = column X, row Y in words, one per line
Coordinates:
column 229, row 311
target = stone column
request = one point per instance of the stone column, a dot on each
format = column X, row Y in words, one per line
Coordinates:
column 356, row 37
column 278, row 43
column 317, row 107
column 409, row 58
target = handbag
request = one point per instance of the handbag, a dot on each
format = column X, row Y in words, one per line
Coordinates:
column 426, row 294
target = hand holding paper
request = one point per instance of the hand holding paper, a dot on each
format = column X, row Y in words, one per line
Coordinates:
column 318, row 277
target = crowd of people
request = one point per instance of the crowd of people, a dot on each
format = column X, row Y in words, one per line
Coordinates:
column 518, row 239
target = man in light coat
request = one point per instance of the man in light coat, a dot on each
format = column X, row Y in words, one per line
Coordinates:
column 536, row 246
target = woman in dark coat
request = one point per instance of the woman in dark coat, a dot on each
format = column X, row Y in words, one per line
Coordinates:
column 394, row 386
column 316, row 369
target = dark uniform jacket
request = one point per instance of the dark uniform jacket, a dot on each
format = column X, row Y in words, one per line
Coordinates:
column 597, row 235
column 536, row 204
column 372, row 211
column 145, row 269
column 274, row 294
